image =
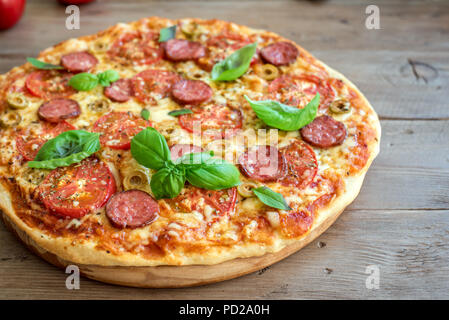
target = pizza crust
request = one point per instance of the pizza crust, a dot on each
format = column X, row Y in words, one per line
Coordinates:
column 244, row 259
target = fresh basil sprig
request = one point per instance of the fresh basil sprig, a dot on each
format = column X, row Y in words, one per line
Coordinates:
column 167, row 33
column 149, row 148
column 86, row 81
column 145, row 113
column 67, row 148
column 271, row 198
column 43, row 65
column 235, row 65
column 179, row 112
column 284, row 117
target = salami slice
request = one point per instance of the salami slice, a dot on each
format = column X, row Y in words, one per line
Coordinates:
column 150, row 85
column 302, row 164
column 191, row 92
column 280, row 53
column 215, row 121
column 324, row 132
column 78, row 61
column 183, row 50
column 120, row 91
column 57, row 110
column 263, row 163
column 132, row 209
column 179, row 150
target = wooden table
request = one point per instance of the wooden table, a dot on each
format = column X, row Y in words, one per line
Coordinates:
column 399, row 222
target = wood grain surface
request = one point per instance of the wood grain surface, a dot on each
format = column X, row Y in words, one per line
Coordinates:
column 399, row 222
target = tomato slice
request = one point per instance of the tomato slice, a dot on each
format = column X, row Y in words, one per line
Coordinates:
column 299, row 90
column 216, row 121
column 302, row 164
column 118, row 128
column 221, row 201
column 49, row 84
column 31, row 139
column 79, row 189
column 137, row 48
column 150, row 85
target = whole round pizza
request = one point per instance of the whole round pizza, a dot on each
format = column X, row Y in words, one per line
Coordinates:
column 180, row 143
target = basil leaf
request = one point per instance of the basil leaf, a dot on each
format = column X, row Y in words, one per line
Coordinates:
column 107, row 77
column 192, row 160
column 235, row 64
column 179, row 112
column 284, row 117
column 145, row 113
column 167, row 33
column 67, row 148
column 167, row 183
column 83, row 81
column 271, row 198
column 43, row 65
column 150, row 149
column 213, row 174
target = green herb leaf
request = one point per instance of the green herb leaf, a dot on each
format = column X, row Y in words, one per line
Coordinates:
column 107, row 77
column 192, row 160
column 281, row 116
column 67, row 148
column 167, row 33
column 213, row 174
column 43, row 65
column 167, row 182
column 271, row 198
column 83, row 81
column 235, row 65
column 179, row 112
column 145, row 113
column 150, row 149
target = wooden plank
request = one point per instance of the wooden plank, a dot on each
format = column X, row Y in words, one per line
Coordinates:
column 408, row 246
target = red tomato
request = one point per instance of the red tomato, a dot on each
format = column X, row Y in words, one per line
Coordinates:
column 118, row 128
column 10, row 12
column 74, row 1
column 79, row 189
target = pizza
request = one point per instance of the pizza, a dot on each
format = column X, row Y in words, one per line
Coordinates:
column 178, row 142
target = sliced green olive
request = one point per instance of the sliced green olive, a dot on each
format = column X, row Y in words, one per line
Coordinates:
column 245, row 189
column 267, row 71
column 17, row 100
column 99, row 105
column 100, row 46
column 10, row 119
column 340, row 106
column 189, row 29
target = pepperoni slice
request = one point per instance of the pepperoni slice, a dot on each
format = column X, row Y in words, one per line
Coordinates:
column 151, row 85
column 118, row 128
column 78, row 61
column 137, row 48
column 215, row 120
column 183, row 50
column 31, row 139
column 298, row 90
column 120, row 91
column 49, row 84
column 263, row 163
column 178, row 150
column 295, row 224
column 324, row 132
column 191, row 92
column 302, row 164
column 192, row 198
column 280, row 53
column 132, row 209
column 79, row 189
column 57, row 110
